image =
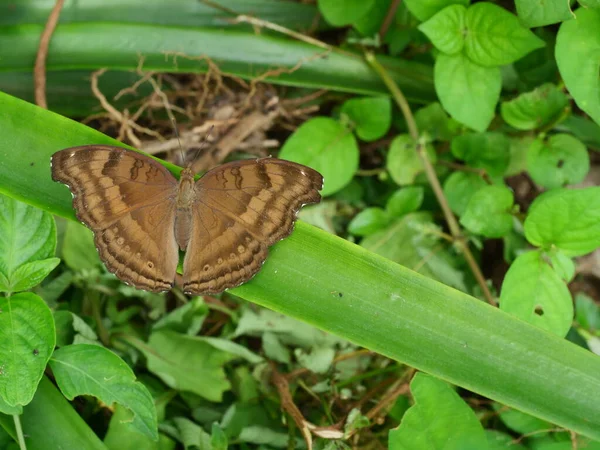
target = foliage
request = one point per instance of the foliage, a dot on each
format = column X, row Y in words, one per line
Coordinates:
column 413, row 113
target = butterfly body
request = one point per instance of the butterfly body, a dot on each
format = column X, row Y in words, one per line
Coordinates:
column 141, row 215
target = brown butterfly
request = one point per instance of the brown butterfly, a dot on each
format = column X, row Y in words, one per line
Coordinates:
column 141, row 215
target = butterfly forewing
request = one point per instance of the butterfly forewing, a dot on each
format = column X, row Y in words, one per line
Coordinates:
column 128, row 201
column 241, row 209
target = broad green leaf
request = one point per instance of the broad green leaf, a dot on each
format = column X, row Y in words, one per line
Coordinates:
column 412, row 242
column 424, row 9
column 489, row 212
column 85, row 369
column 368, row 221
column 344, row 12
column 27, row 244
column 370, row 117
column 404, row 201
column 187, row 363
column 489, row 151
column 446, row 30
column 582, row 128
column 519, row 146
column 495, row 37
column 537, row 13
column 72, row 329
column 403, row 161
column 568, row 219
column 28, row 337
column 561, row 160
column 468, row 92
column 5, row 408
column 326, row 146
column 579, row 69
column 439, row 419
column 535, row 109
column 317, row 360
column 433, row 120
column 78, row 249
column 590, row 3
column 218, row 439
column 533, row 292
column 459, row 187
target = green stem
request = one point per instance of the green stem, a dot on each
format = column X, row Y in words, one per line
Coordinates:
column 19, row 430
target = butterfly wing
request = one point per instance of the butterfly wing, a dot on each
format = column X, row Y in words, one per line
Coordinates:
column 128, row 200
column 241, row 209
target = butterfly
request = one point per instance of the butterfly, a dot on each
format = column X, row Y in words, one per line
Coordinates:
column 142, row 216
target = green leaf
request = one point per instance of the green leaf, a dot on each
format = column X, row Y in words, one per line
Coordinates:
column 122, row 436
column 265, row 436
column 326, row 146
column 446, row 30
column 27, row 244
column 533, row 292
column 520, row 422
column 274, row 349
column 368, row 221
column 433, row 120
column 218, row 438
column 404, row 201
column 344, row 12
column 370, row 117
column 411, row 241
column 370, row 23
column 489, row 151
column 579, row 69
column 355, row 421
column 425, row 9
column 192, row 435
column 575, row 230
column 468, row 92
column 403, row 161
column 28, row 337
column 72, row 329
column 459, row 187
column 187, row 363
column 186, row 319
column 85, row 369
column 78, row 249
column 489, row 212
column 318, row 360
column 5, row 408
column 535, row 109
column 495, row 37
column 590, row 3
column 562, row 265
column 519, row 146
column 587, row 312
column 560, row 160
column 438, row 419
column 536, row 13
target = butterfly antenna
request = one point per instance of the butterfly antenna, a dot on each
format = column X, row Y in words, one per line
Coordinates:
column 203, row 141
column 178, row 138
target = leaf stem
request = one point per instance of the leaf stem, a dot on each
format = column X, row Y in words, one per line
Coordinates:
column 19, row 430
column 455, row 230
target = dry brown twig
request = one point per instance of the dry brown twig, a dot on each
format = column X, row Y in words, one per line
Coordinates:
column 39, row 71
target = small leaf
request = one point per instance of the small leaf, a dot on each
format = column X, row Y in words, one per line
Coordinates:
column 318, row 360
column 437, row 418
column 446, row 30
column 566, row 218
column 560, row 160
column 180, row 361
column 122, row 436
column 520, row 422
column 579, row 69
column 587, row 312
column 468, row 91
column 274, row 349
column 28, row 337
column 368, row 221
column 404, row 201
column 355, row 421
column 495, row 37
column 433, row 120
column 78, row 249
column 459, row 187
column 371, row 117
column 403, row 161
column 326, row 146
column 488, row 212
column 93, row 370
column 533, row 292
column 562, row 265
column 535, row 109
column 27, row 235
column 192, row 435
column 344, row 12
column 425, row 9
column 538, row 14
column 489, row 151
column 218, row 438
column 186, row 319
